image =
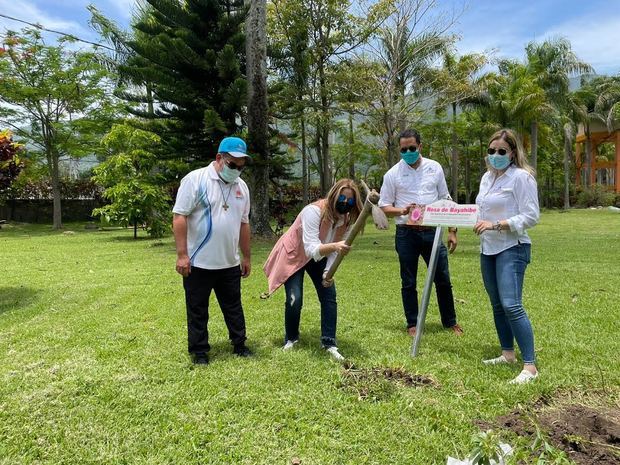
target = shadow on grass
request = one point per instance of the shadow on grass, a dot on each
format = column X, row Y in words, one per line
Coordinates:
column 129, row 239
column 16, row 297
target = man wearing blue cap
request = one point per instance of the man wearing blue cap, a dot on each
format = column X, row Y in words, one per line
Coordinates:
column 211, row 224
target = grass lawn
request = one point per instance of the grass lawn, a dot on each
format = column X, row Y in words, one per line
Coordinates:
column 93, row 363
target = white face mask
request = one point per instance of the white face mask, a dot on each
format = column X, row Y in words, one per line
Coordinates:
column 229, row 175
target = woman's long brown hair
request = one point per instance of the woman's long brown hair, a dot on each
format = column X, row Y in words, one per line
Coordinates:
column 328, row 211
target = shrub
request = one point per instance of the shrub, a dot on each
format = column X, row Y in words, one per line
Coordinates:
column 595, row 196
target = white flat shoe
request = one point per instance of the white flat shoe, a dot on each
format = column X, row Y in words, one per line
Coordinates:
column 290, row 344
column 524, row 377
column 333, row 351
column 498, row 361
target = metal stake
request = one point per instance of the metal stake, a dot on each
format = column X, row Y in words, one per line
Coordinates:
column 428, row 285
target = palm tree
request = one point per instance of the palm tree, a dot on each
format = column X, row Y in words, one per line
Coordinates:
column 514, row 98
column 552, row 63
column 458, row 81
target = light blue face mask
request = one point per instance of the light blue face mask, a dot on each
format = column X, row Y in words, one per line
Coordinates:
column 410, row 157
column 229, row 175
column 499, row 162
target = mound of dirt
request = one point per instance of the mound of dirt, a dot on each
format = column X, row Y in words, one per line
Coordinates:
column 588, row 434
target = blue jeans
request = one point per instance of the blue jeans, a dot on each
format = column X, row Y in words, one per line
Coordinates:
column 410, row 244
column 294, row 287
column 503, row 280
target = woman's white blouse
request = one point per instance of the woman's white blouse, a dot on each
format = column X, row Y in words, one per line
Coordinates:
column 311, row 229
column 513, row 196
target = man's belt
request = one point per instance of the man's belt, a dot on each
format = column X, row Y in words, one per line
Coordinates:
column 415, row 227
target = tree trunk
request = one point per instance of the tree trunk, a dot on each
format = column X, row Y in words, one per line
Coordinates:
column 135, row 229
column 483, row 165
column 55, row 175
column 391, row 147
column 304, row 163
column 587, row 182
column 455, row 158
column 258, row 114
column 149, row 98
column 319, row 153
column 534, row 144
column 327, row 168
column 326, row 175
column 351, row 149
column 567, row 156
column 467, row 178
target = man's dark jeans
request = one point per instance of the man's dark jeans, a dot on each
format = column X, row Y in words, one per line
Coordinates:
column 294, row 287
column 227, row 286
column 410, row 244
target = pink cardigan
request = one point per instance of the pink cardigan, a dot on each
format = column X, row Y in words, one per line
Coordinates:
column 288, row 255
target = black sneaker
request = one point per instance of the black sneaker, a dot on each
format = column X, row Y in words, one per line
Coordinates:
column 200, row 359
column 242, row 351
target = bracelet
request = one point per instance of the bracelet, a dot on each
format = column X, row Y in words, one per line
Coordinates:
column 498, row 226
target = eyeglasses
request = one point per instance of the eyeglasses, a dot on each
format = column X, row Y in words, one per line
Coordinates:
column 348, row 200
column 491, row 151
column 233, row 166
column 412, row 148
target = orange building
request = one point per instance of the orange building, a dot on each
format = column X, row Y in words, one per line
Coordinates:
column 604, row 167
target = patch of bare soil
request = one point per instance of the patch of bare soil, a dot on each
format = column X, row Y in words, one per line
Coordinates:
column 589, row 432
column 379, row 383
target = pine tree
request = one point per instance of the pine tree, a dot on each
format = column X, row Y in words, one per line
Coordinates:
column 185, row 64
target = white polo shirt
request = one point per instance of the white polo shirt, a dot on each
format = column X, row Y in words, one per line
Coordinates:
column 212, row 230
column 404, row 185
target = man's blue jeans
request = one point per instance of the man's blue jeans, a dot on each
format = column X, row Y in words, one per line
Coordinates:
column 294, row 287
column 410, row 244
column 503, row 279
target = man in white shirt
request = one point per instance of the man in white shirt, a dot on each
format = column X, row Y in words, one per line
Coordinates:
column 415, row 180
column 211, row 224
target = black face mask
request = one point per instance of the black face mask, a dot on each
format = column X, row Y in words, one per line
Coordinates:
column 343, row 207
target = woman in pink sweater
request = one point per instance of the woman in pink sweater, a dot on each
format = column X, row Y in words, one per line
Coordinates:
column 310, row 246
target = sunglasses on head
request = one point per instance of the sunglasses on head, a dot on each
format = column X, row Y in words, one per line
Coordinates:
column 348, row 200
column 412, row 148
column 491, row 151
column 233, row 166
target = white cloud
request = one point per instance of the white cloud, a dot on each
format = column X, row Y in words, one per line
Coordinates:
column 123, row 7
column 481, row 32
column 28, row 11
column 595, row 40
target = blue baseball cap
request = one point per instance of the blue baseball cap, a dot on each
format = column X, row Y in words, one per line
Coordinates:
column 234, row 146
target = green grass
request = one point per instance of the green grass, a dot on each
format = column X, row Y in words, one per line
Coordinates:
column 93, row 364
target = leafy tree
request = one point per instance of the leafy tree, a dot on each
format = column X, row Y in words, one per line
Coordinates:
column 10, row 163
column 132, row 181
column 400, row 91
column 183, row 71
column 335, row 28
column 54, row 98
column 459, row 81
column 290, row 59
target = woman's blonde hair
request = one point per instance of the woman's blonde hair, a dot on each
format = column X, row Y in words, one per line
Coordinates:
column 328, row 211
column 519, row 159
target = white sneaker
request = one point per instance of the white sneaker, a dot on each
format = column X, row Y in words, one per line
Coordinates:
column 289, row 344
column 524, row 377
column 498, row 361
column 333, row 351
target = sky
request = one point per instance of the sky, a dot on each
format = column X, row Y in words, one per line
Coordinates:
column 500, row 27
